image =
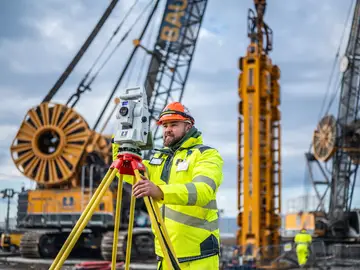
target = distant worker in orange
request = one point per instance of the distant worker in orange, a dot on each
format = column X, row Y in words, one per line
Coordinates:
column 303, row 242
column 184, row 178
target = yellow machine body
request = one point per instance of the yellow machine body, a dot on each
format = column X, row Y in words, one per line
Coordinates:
column 311, row 221
column 51, row 206
column 11, row 241
column 295, row 222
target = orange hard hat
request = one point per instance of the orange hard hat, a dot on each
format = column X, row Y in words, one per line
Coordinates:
column 175, row 111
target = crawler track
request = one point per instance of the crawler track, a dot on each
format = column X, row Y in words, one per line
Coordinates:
column 142, row 245
column 38, row 244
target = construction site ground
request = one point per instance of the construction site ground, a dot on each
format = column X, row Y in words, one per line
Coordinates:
column 17, row 262
column 12, row 262
column 71, row 263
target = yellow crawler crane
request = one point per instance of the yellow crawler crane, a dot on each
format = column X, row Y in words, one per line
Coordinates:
column 259, row 181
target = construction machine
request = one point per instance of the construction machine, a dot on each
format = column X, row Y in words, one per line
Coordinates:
column 56, row 148
column 10, row 241
column 9, row 238
column 259, row 175
column 335, row 153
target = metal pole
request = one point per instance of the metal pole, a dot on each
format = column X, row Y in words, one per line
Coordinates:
column 7, row 216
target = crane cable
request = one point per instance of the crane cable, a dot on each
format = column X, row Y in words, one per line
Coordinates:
column 116, row 31
column 129, row 60
column 332, row 99
column 151, row 31
column 80, row 52
column 127, row 83
column 305, row 205
column 83, row 86
column 337, row 84
column 121, row 41
column 339, row 81
column 141, row 69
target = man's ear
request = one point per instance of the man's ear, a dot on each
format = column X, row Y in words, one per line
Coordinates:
column 188, row 127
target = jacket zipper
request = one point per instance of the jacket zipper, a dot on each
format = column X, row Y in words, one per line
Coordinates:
column 168, row 165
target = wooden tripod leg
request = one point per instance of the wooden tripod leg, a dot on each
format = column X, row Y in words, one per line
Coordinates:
column 130, row 230
column 160, row 230
column 162, row 224
column 117, row 222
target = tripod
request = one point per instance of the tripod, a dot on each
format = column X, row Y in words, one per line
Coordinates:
column 126, row 164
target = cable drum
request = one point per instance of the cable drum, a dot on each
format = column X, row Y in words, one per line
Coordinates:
column 50, row 143
column 324, row 138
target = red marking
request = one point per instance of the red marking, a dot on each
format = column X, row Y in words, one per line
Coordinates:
column 97, row 265
column 127, row 163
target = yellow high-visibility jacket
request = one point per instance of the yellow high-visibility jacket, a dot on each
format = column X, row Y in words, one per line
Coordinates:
column 303, row 239
column 189, row 178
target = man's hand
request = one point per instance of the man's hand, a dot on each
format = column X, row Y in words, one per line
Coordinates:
column 147, row 188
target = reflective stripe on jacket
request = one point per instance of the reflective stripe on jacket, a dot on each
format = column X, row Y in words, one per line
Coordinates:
column 189, row 178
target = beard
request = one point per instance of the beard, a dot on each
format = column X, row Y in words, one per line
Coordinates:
column 170, row 139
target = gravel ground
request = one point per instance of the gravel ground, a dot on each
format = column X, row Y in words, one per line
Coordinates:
column 42, row 267
column 17, row 266
column 13, row 263
column 27, row 266
column 16, row 262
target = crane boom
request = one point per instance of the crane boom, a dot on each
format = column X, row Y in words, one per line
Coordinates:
column 259, row 180
column 173, row 54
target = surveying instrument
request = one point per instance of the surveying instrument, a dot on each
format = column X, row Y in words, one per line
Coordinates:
column 133, row 136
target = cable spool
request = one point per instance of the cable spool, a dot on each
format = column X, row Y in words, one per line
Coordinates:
column 324, row 138
column 50, row 143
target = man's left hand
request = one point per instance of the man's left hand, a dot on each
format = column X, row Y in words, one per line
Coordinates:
column 147, row 188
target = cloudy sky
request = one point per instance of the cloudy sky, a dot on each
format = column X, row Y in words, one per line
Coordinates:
column 39, row 38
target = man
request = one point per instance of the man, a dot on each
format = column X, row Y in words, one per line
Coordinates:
column 184, row 178
column 303, row 241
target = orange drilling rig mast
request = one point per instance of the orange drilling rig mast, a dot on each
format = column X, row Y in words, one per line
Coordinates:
column 259, row 180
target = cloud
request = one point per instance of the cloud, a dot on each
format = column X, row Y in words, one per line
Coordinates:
column 9, row 171
column 227, row 201
column 53, row 46
column 296, row 140
column 317, row 37
column 50, row 33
